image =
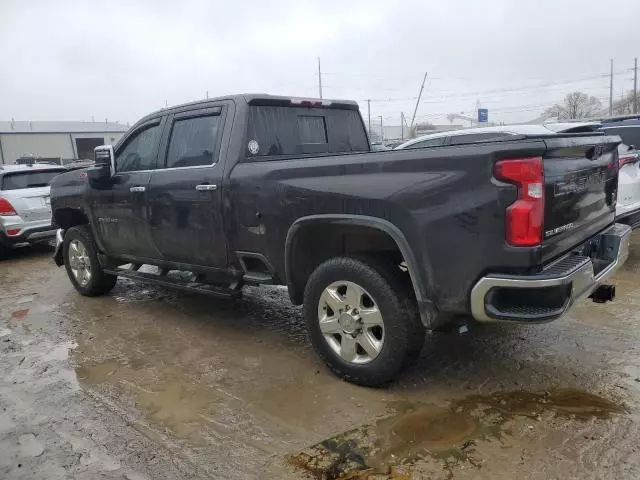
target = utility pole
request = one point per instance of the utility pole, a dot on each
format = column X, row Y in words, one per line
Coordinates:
column 418, row 101
column 635, row 85
column 207, row 94
column 401, row 125
column 319, row 79
column 611, row 90
column 381, row 131
column 369, row 114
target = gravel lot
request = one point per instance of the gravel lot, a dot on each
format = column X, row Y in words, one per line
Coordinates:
column 147, row 383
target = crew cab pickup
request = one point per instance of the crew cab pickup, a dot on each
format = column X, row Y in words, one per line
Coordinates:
column 377, row 247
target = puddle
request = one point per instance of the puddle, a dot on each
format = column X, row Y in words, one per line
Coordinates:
column 563, row 402
column 168, row 403
column 418, row 431
column 96, row 373
column 180, row 407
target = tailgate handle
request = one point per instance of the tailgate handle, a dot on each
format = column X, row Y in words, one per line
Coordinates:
column 206, row 187
column 137, row 189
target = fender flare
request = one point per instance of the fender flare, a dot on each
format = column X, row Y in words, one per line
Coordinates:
column 426, row 307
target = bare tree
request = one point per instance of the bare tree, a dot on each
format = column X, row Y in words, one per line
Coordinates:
column 575, row 105
column 624, row 106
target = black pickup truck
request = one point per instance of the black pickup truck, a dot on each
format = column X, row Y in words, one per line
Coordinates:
column 378, row 247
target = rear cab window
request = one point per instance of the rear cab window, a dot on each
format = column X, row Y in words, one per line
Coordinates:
column 28, row 179
column 282, row 131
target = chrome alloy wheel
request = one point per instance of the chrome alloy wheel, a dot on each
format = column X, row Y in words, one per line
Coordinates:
column 351, row 322
column 80, row 262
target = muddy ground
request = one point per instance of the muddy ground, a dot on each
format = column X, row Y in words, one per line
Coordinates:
column 147, row 383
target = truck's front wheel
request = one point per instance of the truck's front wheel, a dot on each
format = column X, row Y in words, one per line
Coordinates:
column 361, row 320
column 81, row 262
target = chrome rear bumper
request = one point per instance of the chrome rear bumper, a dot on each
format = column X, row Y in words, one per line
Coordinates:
column 548, row 294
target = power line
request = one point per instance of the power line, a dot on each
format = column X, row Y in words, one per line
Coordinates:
column 444, row 99
column 448, row 95
column 446, row 77
column 511, row 109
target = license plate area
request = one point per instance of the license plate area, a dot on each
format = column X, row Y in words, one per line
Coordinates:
column 601, row 249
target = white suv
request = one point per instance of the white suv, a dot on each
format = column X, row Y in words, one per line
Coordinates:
column 25, row 206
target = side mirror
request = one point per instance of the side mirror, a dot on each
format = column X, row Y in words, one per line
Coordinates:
column 632, row 147
column 104, row 167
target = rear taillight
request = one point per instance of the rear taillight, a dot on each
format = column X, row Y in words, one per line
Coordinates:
column 525, row 216
column 13, row 232
column 627, row 159
column 6, row 209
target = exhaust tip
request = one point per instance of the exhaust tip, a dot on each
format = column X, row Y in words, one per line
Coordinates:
column 603, row 293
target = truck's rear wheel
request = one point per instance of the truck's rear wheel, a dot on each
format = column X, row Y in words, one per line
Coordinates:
column 361, row 320
column 81, row 262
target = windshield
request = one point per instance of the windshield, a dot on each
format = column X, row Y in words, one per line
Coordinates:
column 34, row 179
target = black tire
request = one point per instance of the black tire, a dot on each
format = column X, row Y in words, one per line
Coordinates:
column 100, row 282
column 390, row 289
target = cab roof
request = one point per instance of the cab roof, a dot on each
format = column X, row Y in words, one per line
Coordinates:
column 254, row 99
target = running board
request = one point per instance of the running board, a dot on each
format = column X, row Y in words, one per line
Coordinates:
column 178, row 284
column 257, row 278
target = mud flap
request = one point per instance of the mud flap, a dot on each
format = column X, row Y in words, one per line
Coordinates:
column 57, row 254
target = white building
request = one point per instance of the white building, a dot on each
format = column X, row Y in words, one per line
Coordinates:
column 58, row 141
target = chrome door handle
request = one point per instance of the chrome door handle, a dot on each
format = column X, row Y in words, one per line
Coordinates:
column 206, row 187
column 137, row 189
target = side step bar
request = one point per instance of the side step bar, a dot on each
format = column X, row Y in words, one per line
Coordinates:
column 257, row 278
column 175, row 283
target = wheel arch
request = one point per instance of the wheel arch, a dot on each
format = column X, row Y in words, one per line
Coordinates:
column 296, row 288
column 67, row 217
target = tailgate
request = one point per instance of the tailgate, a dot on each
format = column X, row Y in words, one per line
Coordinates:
column 581, row 182
column 31, row 204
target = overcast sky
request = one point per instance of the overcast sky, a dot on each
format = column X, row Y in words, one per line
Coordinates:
column 73, row 60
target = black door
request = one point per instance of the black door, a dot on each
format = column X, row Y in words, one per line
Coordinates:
column 120, row 207
column 185, row 205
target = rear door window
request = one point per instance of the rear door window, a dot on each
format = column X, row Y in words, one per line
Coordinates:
column 35, row 179
column 193, row 142
column 276, row 131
